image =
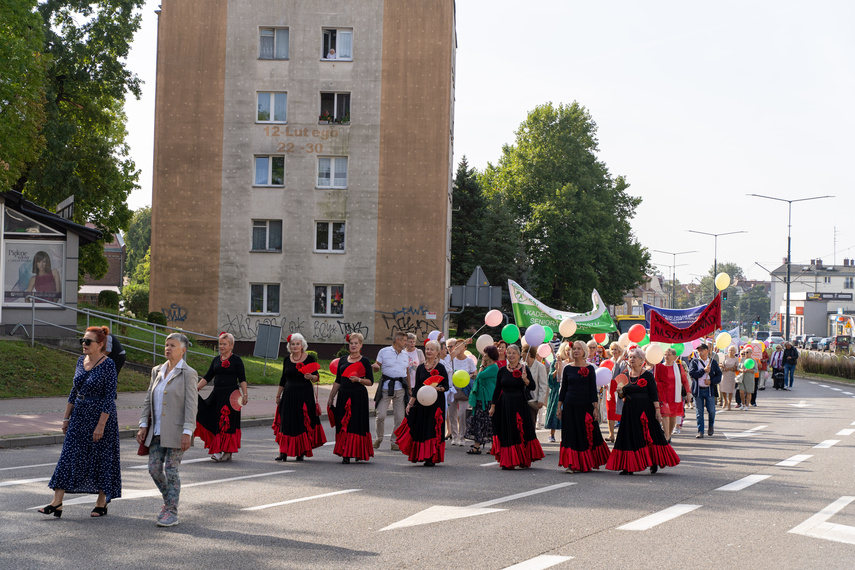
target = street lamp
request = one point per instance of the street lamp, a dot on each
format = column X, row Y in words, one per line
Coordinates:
column 789, row 243
column 673, row 270
column 715, row 247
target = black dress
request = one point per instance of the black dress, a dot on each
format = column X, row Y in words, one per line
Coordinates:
column 640, row 441
column 515, row 442
column 421, row 436
column 297, row 425
column 217, row 422
column 582, row 445
column 352, row 434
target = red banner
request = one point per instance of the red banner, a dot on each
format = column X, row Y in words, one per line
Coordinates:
column 706, row 323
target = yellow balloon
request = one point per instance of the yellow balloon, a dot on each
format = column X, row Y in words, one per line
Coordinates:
column 722, row 280
column 723, row 340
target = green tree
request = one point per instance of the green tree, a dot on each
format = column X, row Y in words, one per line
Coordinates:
column 572, row 215
column 137, row 239
column 22, row 88
column 142, row 271
column 85, row 153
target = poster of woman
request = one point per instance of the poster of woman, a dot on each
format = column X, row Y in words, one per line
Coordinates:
column 33, row 268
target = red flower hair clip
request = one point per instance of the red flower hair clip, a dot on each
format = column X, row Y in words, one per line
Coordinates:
column 642, row 382
column 347, row 338
column 222, row 334
column 517, row 373
column 289, row 338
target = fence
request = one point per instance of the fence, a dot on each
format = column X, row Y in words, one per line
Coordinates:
column 840, row 365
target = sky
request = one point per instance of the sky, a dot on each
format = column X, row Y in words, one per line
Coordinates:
column 697, row 105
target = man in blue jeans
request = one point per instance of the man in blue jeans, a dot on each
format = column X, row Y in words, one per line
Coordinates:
column 705, row 373
column 791, row 356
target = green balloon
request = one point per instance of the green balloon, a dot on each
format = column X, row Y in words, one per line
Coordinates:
column 645, row 341
column 678, row 348
column 749, row 364
column 549, row 333
column 510, row 333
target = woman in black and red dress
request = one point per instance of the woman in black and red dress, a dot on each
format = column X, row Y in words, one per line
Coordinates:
column 640, row 440
column 421, row 436
column 582, row 445
column 352, row 434
column 515, row 442
column 297, row 425
column 218, row 416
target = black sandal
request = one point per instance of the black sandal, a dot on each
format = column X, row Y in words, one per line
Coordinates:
column 474, row 451
column 52, row 510
column 345, row 460
column 282, row 457
column 98, row 512
column 300, row 457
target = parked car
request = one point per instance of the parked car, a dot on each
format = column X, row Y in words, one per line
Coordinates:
column 798, row 340
column 812, row 342
column 840, row 343
column 762, row 335
column 824, row 344
column 773, row 340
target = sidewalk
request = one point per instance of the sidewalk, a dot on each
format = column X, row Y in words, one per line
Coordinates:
column 38, row 421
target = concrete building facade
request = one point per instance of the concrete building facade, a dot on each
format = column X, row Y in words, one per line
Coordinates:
column 819, row 294
column 303, row 165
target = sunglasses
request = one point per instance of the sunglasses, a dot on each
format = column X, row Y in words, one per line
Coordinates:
column 86, row 341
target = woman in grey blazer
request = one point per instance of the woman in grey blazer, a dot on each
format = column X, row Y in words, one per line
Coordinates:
column 168, row 421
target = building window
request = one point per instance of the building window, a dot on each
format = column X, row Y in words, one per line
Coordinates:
column 270, row 171
column 329, row 237
column 271, row 107
column 267, row 235
column 335, row 107
column 849, row 282
column 264, row 298
column 273, row 43
column 329, row 300
column 332, row 172
column 338, row 44
column 827, row 279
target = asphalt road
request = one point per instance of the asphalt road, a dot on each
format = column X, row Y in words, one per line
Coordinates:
column 730, row 503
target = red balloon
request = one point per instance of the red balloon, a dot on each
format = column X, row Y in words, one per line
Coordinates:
column 608, row 364
column 637, row 333
column 600, row 338
column 334, row 366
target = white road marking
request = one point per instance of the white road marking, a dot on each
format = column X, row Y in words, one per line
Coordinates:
column 845, row 432
column 440, row 513
column 139, row 494
column 489, row 464
column 793, row 461
column 848, row 393
column 540, row 562
column 665, row 515
column 258, row 508
column 183, row 462
column 813, row 382
column 837, row 389
column 826, row 444
column 54, row 463
column 745, row 433
column 818, row 526
column 743, row 483
column 801, row 404
column 823, row 386
column 24, row 482
column 852, row 424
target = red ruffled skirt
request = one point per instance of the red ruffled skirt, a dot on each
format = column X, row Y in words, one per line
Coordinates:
column 351, row 445
column 519, row 454
column 596, row 454
column 220, row 442
column 431, row 449
column 303, row 443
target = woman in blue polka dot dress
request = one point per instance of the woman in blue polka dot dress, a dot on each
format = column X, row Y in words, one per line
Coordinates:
column 89, row 462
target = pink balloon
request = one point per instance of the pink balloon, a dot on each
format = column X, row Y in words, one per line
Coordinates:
column 493, row 318
column 544, row 350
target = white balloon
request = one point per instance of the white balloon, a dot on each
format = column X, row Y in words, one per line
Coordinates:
column 483, row 342
column 426, row 395
column 535, row 335
column 623, row 341
column 654, row 354
column 604, row 376
column 567, row 327
column 434, row 335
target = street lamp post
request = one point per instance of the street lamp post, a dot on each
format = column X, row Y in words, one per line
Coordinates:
column 715, row 248
column 673, row 271
column 789, row 244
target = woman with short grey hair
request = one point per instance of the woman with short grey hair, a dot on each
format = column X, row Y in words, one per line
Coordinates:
column 167, row 422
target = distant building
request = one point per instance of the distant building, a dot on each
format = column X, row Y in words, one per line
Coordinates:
column 303, row 166
column 651, row 291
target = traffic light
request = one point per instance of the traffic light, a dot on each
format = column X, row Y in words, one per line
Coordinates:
column 724, row 295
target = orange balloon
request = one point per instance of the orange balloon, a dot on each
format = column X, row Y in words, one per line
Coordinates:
column 600, row 338
column 608, row 364
column 637, row 333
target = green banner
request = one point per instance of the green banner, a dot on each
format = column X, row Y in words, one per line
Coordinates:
column 529, row 311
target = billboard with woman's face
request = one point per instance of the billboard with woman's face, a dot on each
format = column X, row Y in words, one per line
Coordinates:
column 33, row 268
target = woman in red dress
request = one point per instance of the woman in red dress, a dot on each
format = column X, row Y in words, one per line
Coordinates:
column 670, row 390
column 421, row 436
column 218, row 416
column 297, row 425
column 352, row 434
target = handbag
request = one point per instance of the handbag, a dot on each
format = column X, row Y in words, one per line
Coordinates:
column 143, row 449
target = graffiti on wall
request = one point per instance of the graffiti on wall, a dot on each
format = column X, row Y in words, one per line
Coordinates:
column 409, row 320
column 245, row 327
column 175, row 313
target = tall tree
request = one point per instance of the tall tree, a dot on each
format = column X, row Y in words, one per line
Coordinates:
column 137, row 238
column 86, row 154
column 573, row 216
column 22, row 88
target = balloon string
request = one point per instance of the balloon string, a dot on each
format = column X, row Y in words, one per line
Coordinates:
column 479, row 330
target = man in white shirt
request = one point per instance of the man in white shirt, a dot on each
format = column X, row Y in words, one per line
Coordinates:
column 416, row 357
column 393, row 363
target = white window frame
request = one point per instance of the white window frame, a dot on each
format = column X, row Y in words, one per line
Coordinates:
column 272, row 101
column 328, row 312
column 274, row 29
column 849, row 283
column 269, row 183
column 335, row 114
column 265, row 299
column 334, row 161
column 329, row 224
column 338, row 32
column 256, row 224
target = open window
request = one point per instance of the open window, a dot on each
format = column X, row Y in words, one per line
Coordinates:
column 337, row 44
column 335, row 108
